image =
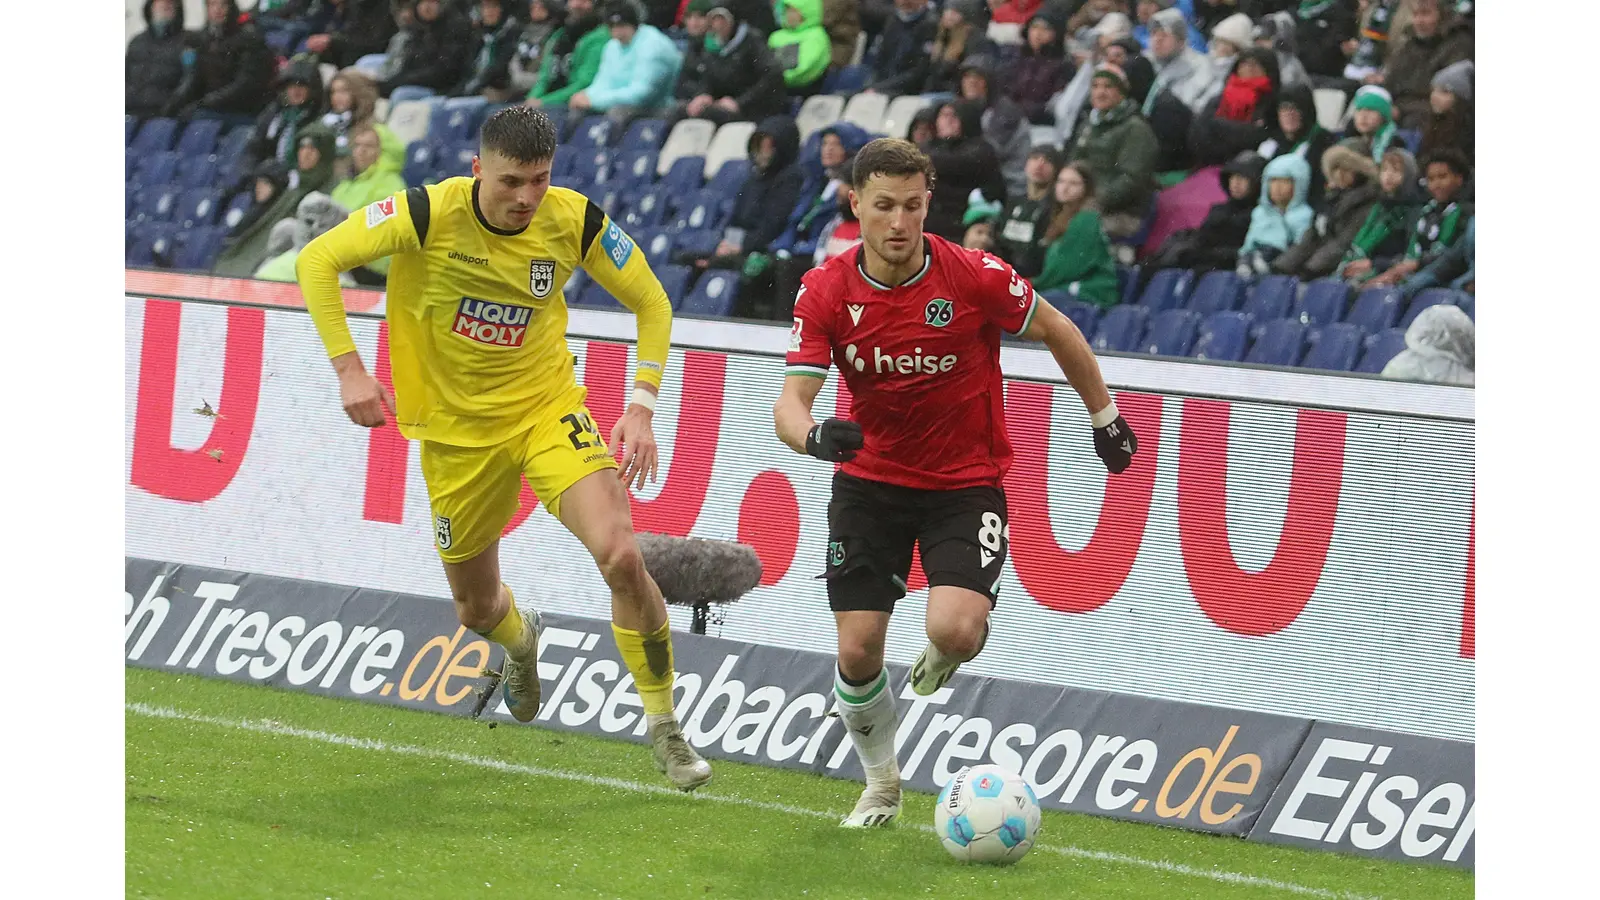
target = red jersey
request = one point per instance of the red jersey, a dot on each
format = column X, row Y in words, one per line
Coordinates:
column 921, row 360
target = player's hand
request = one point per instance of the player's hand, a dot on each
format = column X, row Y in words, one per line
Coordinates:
column 834, row 440
column 365, row 399
column 635, row 439
column 1116, row 444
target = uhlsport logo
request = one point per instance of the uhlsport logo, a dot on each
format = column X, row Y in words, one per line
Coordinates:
column 498, row 324
column 914, row 363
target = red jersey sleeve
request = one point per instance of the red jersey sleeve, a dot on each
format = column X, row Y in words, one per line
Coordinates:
column 811, row 335
column 1006, row 297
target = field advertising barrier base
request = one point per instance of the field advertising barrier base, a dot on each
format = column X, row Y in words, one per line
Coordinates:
column 1264, row 777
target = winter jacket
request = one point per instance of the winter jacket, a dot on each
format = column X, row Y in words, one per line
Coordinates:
column 1439, row 226
column 489, row 67
column 1004, row 125
column 529, row 58
column 279, row 124
column 246, row 249
column 1215, row 243
column 570, row 61
column 1319, row 250
column 639, row 75
column 153, row 65
column 1080, row 261
column 1214, row 139
column 1021, row 12
column 841, row 19
column 1384, row 235
column 1321, row 29
column 946, row 60
column 1440, row 347
column 1453, row 129
column 354, row 28
column 961, row 165
column 363, row 111
column 1189, row 75
column 1121, row 151
column 1035, row 78
column 1274, row 228
column 437, row 55
column 232, row 70
column 761, row 209
column 1455, row 268
column 1310, row 142
column 903, row 50
column 1409, row 74
column 804, row 52
column 365, row 188
column 744, row 69
column 814, row 206
column 1019, row 238
column 315, row 216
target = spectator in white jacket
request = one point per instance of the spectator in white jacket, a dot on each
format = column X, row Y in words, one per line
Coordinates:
column 1181, row 70
column 1439, row 348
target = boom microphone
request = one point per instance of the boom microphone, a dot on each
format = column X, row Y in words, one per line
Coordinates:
column 699, row 572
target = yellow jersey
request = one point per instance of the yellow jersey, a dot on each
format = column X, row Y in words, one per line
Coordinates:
column 477, row 321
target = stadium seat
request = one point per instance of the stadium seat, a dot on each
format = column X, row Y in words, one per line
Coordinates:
column 1128, row 283
column 1468, row 303
column 157, row 203
column 1120, row 329
column 457, row 160
column 897, row 118
column 130, row 127
column 1322, row 302
column 592, row 165
column 1412, row 138
column 237, row 207
column 1171, row 333
column 1041, row 134
column 635, row 168
column 729, row 179
column 1376, row 309
column 155, row 136
column 818, row 112
column 575, row 284
column 198, row 248
column 698, row 242
column 598, row 297
column 422, row 164
column 409, row 120
column 1166, row 289
column 196, row 171
column 593, row 132
column 645, row 134
column 713, row 295
column 1223, row 336
column 851, row 79
column 1215, row 292
column 561, row 163
column 130, row 162
column 1427, row 298
column 685, row 177
column 656, row 244
column 1271, row 298
column 675, row 281
column 200, row 138
column 456, row 120
column 1333, row 347
column 558, row 117
column 198, row 208
column 648, row 210
column 156, row 169
column 1381, row 347
column 1279, row 343
column 130, row 199
column 611, row 198
column 732, row 141
column 1084, row 315
column 867, row 111
column 688, row 138
column 153, row 244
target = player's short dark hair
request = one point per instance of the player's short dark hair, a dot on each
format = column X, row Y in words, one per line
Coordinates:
column 892, row 158
column 520, row 133
column 1449, row 156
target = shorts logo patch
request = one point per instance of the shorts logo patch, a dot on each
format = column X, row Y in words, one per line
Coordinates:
column 836, row 553
column 541, row 277
column 617, row 245
column 380, row 211
column 938, row 312
column 441, row 532
column 497, row 324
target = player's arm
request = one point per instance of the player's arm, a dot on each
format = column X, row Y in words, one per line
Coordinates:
column 389, row 226
column 810, row 349
column 616, row 264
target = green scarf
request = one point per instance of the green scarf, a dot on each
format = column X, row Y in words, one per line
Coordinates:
column 1385, row 218
column 1437, row 228
column 1310, row 9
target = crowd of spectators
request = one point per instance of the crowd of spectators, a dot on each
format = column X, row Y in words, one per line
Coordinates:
column 1054, row 125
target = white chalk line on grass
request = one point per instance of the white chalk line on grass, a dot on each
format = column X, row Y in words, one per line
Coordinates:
column 639, row 787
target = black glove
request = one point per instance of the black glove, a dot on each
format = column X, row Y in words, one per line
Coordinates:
column 834, row 440
column 1116, row 444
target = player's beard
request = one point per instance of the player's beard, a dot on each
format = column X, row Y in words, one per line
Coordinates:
column 895, row 254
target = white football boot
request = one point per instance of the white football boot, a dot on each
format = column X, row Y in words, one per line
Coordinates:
column 879, row 804
column 520, row 671
column 676, row 759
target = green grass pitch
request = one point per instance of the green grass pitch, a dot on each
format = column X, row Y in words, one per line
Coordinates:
column 241, row 791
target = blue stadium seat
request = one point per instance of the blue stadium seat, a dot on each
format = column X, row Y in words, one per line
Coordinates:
column 130, row 163
column 157, row 203
column 575, row 285
column 198, row 208
column 200, row 138
column 1215, row 292
column 1468, row 303
column 1333, row 347
column 713, row 295
column 648, row 210
column 1376, row 309
column 196, row 172
column 1322, row 303
column 234, row 145
column 730, row 178
column 456, row 160
column 598, row 297
column 422, row 164
column 237, row 206
column 697, row 242
column 130, row 199
column 850, row 80
column 155, row 136
column 1166, row 289
column 701, row 211
column 1381, row 347
column 1427, row 298
column 645, row 134
column 1128, row 283
column 675, row 281
column 558, row 117
column 152, row 241
column 1412, row 137
column 635, row 168
column 1171, row 333
column 1120, row 328
column 130, row 127
column 1271, row 298
column 592, row 165
column 685, row 175
column 1223, row 336
column 593, row 133
column 611, row 198
column 156, row 168
column 198, row 248
column 1084, row 315
column 1279, row 343
column 561, row 163
column 456, row 121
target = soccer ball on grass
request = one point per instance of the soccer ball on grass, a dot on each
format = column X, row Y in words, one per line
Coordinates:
column 987, row 814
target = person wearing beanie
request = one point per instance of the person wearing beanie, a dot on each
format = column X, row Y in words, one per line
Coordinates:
column 299, row 103
column 801, row 46
column 1077, row 259
column 571, row 57
column 1215, row 243
column 1450, row 119
column 1293, row 128
column 902, row 64
column 1281, row 216
column 1435, row 38
column 729, row 75
column 1021, row 12
column 1021, row 231
column 637, row 68
column 960, row 37
column 1322, row 27
column 1120, row 150
column 1040, row 72
column 1069, row 107
column 544, row 17
column 979, row 221
column 1442, row 219
column 1372, row 124
column 1382, row 238
column 1353, row 189
column 1276, row 33
column 1180, row 69
column 1232, row 35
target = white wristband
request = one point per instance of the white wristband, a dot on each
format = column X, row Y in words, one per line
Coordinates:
column 1105, row 416
column 644, row 398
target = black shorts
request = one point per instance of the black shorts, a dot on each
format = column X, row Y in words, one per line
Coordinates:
column 872, row 527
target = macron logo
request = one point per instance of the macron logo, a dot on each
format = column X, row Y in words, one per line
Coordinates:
column 855, row 312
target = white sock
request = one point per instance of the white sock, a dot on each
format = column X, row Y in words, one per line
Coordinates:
column 868, row 712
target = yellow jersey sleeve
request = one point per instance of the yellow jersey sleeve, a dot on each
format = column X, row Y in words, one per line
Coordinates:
column 615, row 263
column 392, row 225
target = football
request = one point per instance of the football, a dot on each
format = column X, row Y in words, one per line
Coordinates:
column 987, row 814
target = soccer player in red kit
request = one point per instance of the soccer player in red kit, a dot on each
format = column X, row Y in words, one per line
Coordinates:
column 913, row 322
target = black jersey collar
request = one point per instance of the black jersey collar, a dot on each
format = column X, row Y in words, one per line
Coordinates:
column 485, row 222
column 927, row 263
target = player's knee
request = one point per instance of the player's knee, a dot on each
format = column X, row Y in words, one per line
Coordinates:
column 622, row 566
column 477, row 610
column 957, row 638
column 860, row 657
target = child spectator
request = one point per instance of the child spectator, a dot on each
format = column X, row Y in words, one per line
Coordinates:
column 153, row 65
column 959, row 38
column 572, row 57
column 1294, row 129
column 1440, row 348
column 438, row 52
column 1280, row 218
column 544, row 17
column 1436, row 38
column 299, row 105
column 1372, row 123
column 802, row 46
column 1443, row 218
column 902, row 63
column 1041, row 71
column 1120, row 149
column 352, row 105
column 965, row 162
column 729, row 75
column 1022, row 228
column 1215, row 243
column 1449, row 122
column 1077, row 256
column 980, row 221
column 1352, row 191
column 1383, row 236
column 497, row 34
column 1455, row 268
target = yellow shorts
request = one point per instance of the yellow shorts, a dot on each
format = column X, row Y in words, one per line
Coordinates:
column 473, row 490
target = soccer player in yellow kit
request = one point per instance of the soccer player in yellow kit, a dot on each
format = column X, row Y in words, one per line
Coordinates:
column 484, row 381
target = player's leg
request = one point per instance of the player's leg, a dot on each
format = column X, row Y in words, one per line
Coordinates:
column 964, row 547
column 473, row 493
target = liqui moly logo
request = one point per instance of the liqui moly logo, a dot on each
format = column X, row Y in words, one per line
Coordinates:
column 500, row 324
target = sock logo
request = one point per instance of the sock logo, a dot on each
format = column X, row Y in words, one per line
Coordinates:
column 865, row 730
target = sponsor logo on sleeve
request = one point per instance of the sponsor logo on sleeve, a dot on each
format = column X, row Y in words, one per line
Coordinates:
column 794, row 334
column 616, row 244
column 380, row 212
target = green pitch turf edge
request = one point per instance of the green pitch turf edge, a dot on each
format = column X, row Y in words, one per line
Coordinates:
column 242, row 791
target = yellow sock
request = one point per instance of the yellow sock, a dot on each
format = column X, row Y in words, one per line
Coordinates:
column 509, row 632
column 649, row 658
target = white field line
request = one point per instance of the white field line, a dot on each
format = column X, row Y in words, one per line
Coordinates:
column 263, row 726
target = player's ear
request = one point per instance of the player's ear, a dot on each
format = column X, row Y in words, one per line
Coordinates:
column 855, row 203
column 477, row 167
